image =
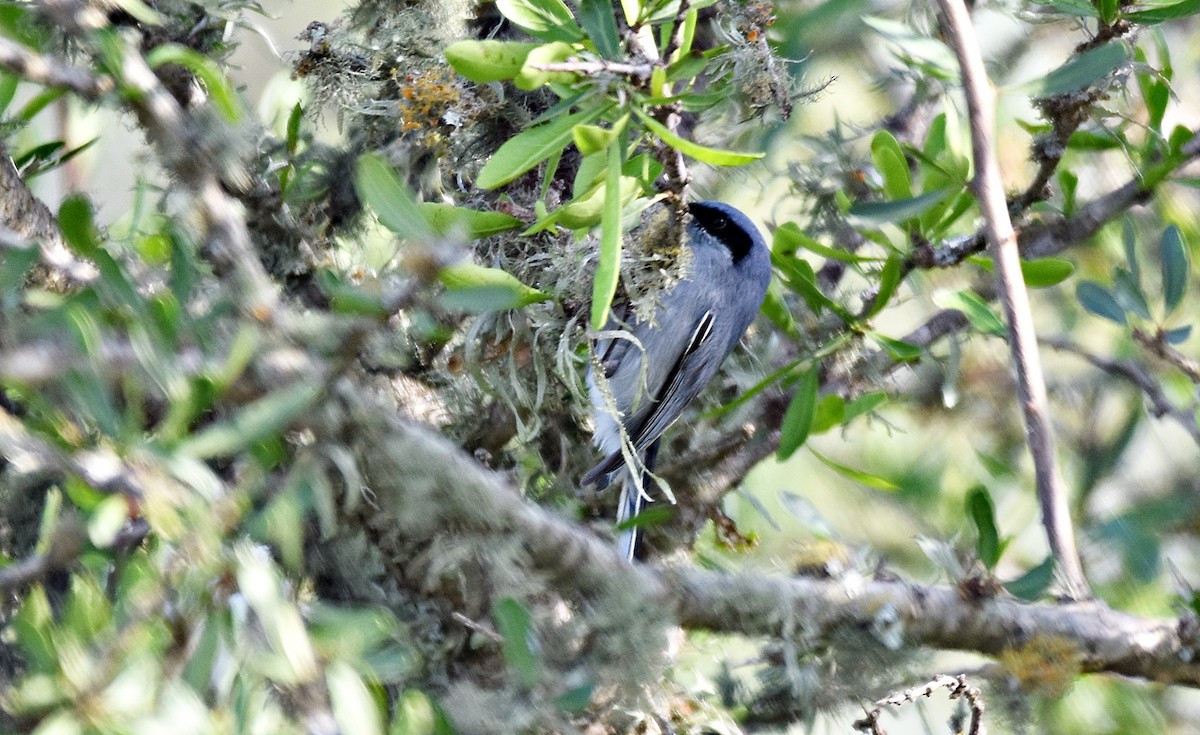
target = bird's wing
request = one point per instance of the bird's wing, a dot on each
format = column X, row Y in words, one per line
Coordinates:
column 681, row 384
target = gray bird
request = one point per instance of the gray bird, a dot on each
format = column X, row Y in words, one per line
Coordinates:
column 697, row 325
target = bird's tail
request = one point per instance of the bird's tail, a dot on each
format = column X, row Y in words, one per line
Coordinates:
column 631, row 503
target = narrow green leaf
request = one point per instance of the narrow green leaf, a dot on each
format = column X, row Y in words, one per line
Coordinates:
column 515, row 625
column 531, row 147
column 798, row 419
column 488, row 61
column 983, row 515
column 864, row 404
column 218, row 86
column 533, row 73
column 1174, row 267
column 608, row 272
column 830, row 412
column 1129, row 242
column 1099, row 301
column 549, row 20
column 788, row 238
column 1082, row 71
column 889, row 280
column 1031, row 585
column 448, row 219
column 575, row 700
column 381, row 189
column 873, row 214
column 596, row 17
column 898, row 350
column 495, row 289
column 714, row 156
column 8, row 90
column 776, row 309
column 1160, row 13
column 265, row 418
column 863, row 478
column 977, row 311
column 889, row 160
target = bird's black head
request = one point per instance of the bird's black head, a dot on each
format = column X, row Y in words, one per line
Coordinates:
column 729, row 226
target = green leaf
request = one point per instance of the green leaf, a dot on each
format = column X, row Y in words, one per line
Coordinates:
column 608, row 271
column 798, row 419
column 549, row 20
column 889, row 280
column 975, row 309
column 864, row 404
column 1160, row 13
column 776, row 309
column 447, row 219
column 107, row 520
column 477, row 288
column 596, row 17
column 575, row 700
column 863, row 478
column 714, row 156
column 898, row 350
column 830, row 412
column 1045, row 272
column 381, row 189
column 1082, row 71
column 1174, row 267
column 873, row 214
column 983, row 514
column 889, row 159
column 488, row 61
column 1129, row 242
column 354, row 709
column 1178, row 335
column 515, row 625
column 15, row 264
column 788, row 237
column 531, row 147
column 1099, row 300
column 220, row 90
column 533, row 76
column 1128, row 294
column 78, row 229
column 267, row 417
column 1031, row 585
column 632, row 10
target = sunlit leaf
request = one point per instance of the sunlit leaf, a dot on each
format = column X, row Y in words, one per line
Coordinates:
column 531, row 147
column 1153, row 14
column 977, row 311
column 218, row 86
column 488, row 61
column 476, row 288
column 897, row 349
column 447, row 219
column 549, row 20
column 608, row 271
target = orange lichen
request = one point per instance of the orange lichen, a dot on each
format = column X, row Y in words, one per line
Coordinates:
column 1046, row 664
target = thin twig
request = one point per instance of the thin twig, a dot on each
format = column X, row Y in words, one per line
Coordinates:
column 1160, row 405
column 958, row 687
column 1158, row 346
column 1031, row 385
column 51, row 72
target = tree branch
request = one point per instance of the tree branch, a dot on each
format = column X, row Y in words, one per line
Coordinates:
column 1031, row 385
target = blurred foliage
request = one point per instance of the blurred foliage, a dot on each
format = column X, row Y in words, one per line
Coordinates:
column 460, row 192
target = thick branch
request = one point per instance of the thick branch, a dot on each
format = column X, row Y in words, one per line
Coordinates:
column 1031, row 385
